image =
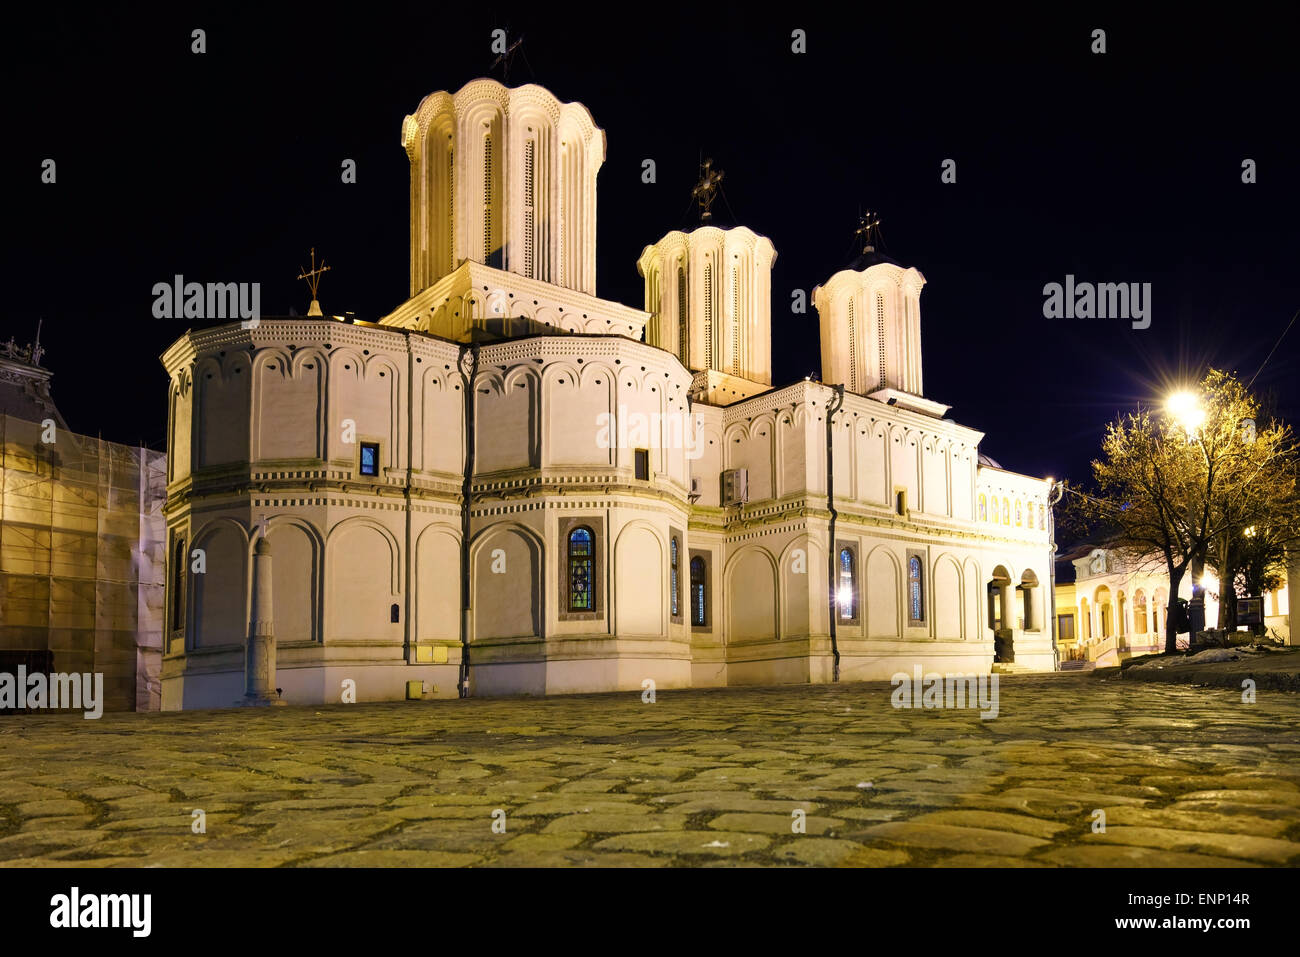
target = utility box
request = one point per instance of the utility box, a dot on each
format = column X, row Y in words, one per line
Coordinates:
column 735, row 486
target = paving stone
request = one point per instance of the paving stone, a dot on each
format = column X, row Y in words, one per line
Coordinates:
column 704, row 843
column 974, row 839
column 1114, row 855
column 825, row 852
column 772, row 823
column 615, row 823
column 1266, row 849
column 1187, row 777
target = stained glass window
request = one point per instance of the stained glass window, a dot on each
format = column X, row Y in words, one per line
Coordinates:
column 848, row 590
column 1006, row 511
column 915, row 594
column 984, row 509
column 675, row 596
column 1019, row 514
column 582, row 570
column 697, row 591
column 1042, row 523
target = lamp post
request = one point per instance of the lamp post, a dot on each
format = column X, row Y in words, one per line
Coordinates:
column 1187, row 411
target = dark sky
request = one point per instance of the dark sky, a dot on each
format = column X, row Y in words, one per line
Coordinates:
column 1122, row 167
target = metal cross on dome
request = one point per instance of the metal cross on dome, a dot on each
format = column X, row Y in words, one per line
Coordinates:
column 313, row 281
column 706, row 190
column 868, row 224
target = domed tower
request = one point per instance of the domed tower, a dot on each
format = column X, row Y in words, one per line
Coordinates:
column 503, row 177
column 709, row 295
column 871, row 322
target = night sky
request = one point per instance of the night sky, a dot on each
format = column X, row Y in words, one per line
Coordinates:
column 1122, row 167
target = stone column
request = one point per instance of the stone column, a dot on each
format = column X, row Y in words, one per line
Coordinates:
column 259, row 660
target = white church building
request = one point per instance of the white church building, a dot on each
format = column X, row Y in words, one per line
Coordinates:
column 509, row 485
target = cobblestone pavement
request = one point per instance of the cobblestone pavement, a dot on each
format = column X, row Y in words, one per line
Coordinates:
column 1185, row 776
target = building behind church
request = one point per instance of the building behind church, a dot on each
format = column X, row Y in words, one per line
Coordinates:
column 510, row 485
column 82, row 540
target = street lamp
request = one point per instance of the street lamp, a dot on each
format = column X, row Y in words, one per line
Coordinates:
column 1185, row 408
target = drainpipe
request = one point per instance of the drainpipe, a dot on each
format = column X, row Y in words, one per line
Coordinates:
column 1054, row 496
column 411, row 655
column 836, row 403
column 468, row 365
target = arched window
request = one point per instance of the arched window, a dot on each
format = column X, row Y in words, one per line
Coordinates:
column 993, row 515
column 582, row 570
column 699, row 597
column 984, row 509
column 1042, row 524
column 1019, row 513
column 847, row 593
column 915, row 589
column 674, row 582
column 1006, row 511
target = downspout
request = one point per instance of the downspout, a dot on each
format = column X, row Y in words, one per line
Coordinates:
column 468, row 365
column 836, row 403
column 411, row 655
column 1054, row 495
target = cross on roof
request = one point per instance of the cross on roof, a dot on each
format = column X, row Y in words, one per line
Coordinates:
column 505, row 59
column 313, row 281
column 706, row 190
column 868, row 227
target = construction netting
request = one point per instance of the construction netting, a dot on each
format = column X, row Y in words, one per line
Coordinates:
column 82, row 558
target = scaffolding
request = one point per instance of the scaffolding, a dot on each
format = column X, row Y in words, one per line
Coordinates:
column 82, row 558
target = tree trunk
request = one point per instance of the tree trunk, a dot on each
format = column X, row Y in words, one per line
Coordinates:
column 1171, row 616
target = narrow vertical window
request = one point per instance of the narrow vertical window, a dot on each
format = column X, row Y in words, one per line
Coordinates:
column 682, row 340
column 1019, row 514
column 674, row 580
column 708, row 316
column 641, row 461
column 487, row 199
column 915, row 589
column 1006, row 511
column 451, row 209
column 179, row 565
column 582, row 570
column 1042, row 523
column 699, row 598
column 847, row 593
column 735, row 322
column 530, row 215
column 984, row 509
column 880, row 331
column 853, row 349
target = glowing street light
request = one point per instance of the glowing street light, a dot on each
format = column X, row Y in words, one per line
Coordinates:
column 1186, row 409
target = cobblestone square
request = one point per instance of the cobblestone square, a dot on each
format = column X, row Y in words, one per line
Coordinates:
column 785, row 776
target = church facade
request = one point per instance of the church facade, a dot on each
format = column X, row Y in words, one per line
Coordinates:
column 509, row 485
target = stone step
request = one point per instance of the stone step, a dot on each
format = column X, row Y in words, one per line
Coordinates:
column 1010, row 668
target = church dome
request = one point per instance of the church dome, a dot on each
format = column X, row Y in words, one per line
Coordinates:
column 505, row 177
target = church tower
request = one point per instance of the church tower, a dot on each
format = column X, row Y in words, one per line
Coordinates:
column 709, row 294
column 503, row 177
column 871, row 322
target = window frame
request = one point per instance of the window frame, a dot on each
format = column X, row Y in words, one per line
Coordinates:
column 362, row 445
column 703, row 584
column 855, row 583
